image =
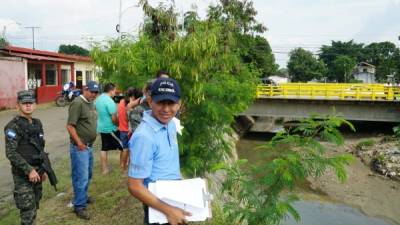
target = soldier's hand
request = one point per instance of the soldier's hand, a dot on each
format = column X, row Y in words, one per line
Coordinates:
column 34, row 176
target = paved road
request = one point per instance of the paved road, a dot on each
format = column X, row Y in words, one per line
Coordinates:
column 57, row 141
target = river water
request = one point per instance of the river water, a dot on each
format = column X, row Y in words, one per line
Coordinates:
column 312, row 212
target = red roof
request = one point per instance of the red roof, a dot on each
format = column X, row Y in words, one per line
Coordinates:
column 37, row 54
column 37, row 57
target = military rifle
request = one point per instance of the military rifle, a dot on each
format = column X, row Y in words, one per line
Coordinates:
column 45, row 165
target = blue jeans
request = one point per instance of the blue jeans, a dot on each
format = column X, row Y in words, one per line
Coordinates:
column 82, row 170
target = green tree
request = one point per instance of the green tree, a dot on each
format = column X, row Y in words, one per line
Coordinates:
column 384, row 56
column 343, row 67
column 283, row 72
column 217, row 85
column 73, row 50
column 397, row 59
column 338, row 48
column 240, row 18
column 3, row 42
column 237, row 14
column 257, row 50
column 303, row 66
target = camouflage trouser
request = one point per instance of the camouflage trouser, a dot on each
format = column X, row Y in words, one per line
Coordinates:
column 27, row 196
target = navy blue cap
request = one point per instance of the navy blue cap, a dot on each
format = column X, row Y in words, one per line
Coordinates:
column 165, row 89
column 92, row 86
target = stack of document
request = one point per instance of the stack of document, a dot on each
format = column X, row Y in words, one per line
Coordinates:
column 190, row 195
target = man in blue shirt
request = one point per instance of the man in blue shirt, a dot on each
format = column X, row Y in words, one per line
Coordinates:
column 107, row 122
column 154, row 153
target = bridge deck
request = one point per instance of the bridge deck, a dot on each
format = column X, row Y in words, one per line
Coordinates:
column 357, row 110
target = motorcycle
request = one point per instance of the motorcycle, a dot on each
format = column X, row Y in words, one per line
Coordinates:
column 66, row 98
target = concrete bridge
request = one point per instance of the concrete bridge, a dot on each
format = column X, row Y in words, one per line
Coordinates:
column 355, row 102
column 382, row 111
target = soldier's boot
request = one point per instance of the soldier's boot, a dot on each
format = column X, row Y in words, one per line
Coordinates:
column 28, row 217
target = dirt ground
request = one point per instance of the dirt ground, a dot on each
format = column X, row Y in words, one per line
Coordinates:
column 57, row 141
column 365, row 189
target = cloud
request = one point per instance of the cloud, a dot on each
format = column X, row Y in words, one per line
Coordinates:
column 310, row 24
column 300, row 23
column 382, row 26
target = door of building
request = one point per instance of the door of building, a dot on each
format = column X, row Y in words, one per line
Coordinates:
column 79, row 79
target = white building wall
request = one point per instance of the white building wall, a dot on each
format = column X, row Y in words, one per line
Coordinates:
column 365, row 77
column 85, row 66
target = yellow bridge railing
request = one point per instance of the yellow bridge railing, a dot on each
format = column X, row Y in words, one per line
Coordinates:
column 332, row 91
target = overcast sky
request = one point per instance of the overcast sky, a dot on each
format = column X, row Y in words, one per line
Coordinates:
column 291, row 23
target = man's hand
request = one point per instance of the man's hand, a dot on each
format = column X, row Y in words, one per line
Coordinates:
column 133, row 103
column 72, row 132
column 177, row 216
column 82, row 147
column 174, row 215
column 34, row 176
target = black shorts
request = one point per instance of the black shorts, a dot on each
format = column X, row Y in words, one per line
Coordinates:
column 110, row 141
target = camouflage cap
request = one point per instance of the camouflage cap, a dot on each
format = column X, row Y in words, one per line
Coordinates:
column 26, row 96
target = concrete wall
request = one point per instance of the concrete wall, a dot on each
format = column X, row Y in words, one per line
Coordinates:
column 365, row 77
column 12, row 80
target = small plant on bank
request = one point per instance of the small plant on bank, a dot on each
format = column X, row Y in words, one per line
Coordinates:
column 396, row 135
column 262, row 194
column 396, row 131
column 365, row 144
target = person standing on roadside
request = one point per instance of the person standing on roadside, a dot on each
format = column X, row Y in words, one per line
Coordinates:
column 154, row 153
column 81, row 126
column 107, row 122
column 22, row 133
column 136, row 113
column 130, row 101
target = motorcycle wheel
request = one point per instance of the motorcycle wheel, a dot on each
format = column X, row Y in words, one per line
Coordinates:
column 61, row 101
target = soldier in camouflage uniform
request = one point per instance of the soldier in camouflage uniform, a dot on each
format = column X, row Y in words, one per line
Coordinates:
column 20, row 132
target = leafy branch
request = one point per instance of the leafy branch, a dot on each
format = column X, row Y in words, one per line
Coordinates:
column 262, row 194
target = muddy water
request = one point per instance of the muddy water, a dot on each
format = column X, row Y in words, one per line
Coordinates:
column 312, row 212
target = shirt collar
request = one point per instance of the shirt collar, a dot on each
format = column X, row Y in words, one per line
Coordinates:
column 107, row 95
column 84, row 99
column 153, row 122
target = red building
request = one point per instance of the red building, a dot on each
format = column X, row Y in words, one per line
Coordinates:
column 42, row 71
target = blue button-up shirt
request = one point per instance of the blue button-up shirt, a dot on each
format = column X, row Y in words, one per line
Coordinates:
column 154, row 153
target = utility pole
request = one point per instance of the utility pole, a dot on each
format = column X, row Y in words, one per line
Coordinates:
column 33, row 35
column 118, row 27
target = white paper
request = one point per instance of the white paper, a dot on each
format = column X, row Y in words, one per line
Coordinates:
column 178, row 125
column 189, row 195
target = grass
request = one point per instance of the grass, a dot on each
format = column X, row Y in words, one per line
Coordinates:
column 113, row 203
column 365, row 144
